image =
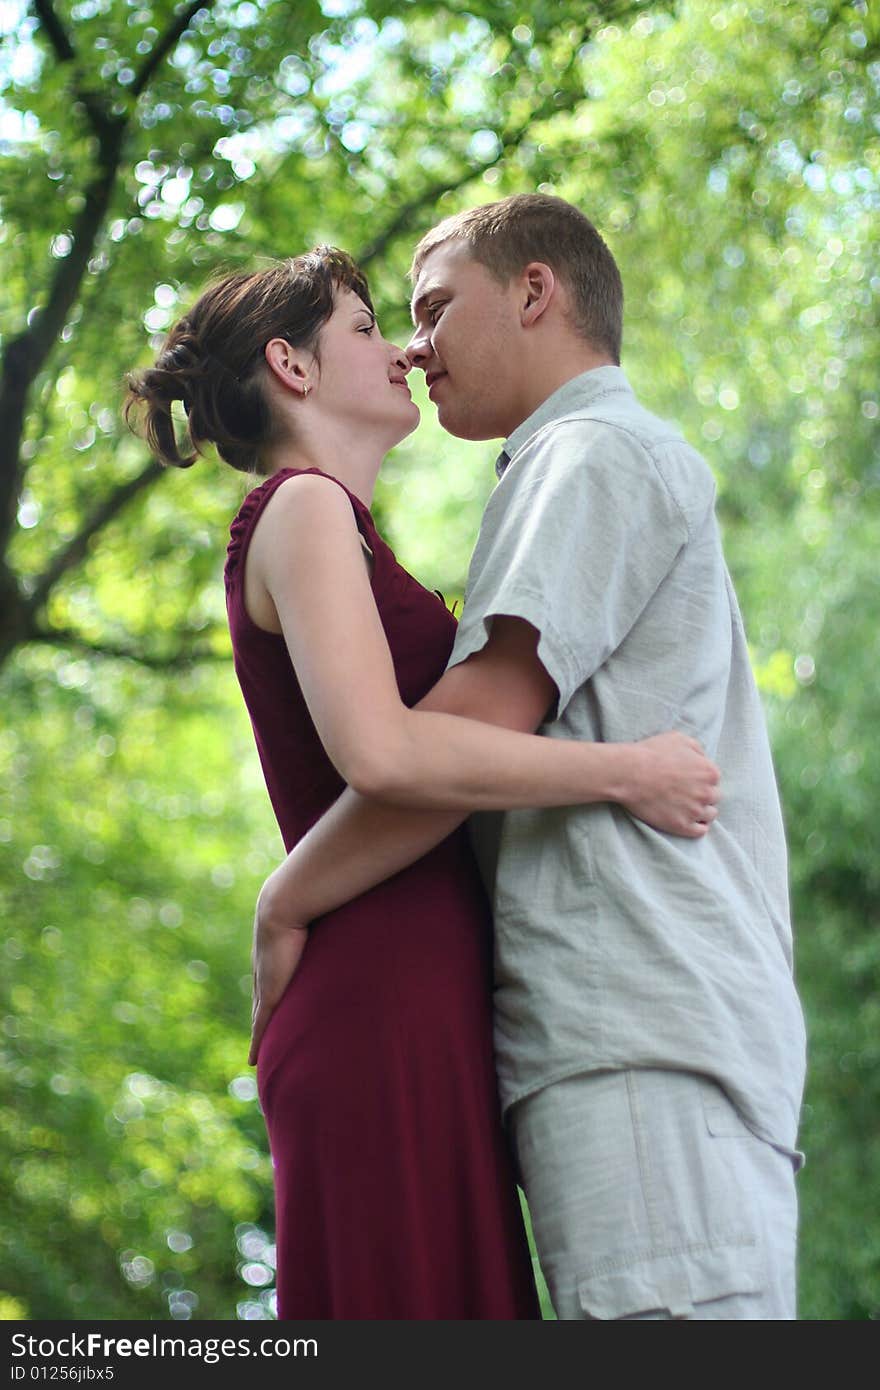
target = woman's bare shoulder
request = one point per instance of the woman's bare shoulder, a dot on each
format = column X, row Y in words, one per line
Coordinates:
column 305, row 497
column 309, row 525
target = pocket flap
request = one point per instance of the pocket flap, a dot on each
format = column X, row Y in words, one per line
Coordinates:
column 673, row 1282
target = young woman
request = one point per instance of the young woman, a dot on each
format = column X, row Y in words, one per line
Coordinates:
column 395, row 1197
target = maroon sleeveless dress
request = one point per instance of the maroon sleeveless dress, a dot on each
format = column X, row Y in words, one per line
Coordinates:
column 395, row 1197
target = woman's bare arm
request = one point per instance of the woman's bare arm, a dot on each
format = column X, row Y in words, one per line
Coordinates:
column 308, row 555
column 360, row 841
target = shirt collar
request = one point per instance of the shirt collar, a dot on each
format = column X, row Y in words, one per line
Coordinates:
column 581, row 391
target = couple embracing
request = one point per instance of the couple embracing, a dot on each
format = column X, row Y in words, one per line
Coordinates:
column 648, row 1041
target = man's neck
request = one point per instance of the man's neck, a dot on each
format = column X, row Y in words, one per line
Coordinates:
column 549, row 375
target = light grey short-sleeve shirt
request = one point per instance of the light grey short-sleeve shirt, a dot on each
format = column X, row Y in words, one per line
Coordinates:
column 617, row 945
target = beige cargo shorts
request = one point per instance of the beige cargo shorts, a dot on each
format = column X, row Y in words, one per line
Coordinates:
column 651, row 1199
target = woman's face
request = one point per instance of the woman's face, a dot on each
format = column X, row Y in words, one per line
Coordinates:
column 360, row 378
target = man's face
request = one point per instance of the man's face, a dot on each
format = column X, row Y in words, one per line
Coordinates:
column 465, row 339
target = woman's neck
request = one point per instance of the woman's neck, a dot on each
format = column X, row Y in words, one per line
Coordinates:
column 354, row 463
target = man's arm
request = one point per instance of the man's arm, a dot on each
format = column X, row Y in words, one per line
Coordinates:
column 306, row 557
column 359, row 842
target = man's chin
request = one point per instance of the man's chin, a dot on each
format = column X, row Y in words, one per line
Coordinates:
column 463, row 424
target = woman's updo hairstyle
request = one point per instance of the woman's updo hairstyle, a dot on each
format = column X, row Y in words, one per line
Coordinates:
column 213, row 359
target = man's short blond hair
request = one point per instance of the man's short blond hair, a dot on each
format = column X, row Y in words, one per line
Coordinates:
column 507, row 235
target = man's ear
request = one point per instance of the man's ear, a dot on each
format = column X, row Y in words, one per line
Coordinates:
column 289, row 365
column 538, row 288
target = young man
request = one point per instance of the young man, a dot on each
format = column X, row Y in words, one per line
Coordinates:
column 649, row 1038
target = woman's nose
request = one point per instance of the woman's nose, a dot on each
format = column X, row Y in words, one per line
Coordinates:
column 400, row 359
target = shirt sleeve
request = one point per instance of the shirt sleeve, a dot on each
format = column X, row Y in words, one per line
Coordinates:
column 578, row 535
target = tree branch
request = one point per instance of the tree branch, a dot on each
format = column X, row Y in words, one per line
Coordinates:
column 182, row 658
column 405, row 215
column 55, row 31
column 166, row 42
column 75, row 549
column 66, row 53
column 25, row 355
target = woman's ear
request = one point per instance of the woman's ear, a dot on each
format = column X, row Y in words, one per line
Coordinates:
column 289, row 365
column 538, row 288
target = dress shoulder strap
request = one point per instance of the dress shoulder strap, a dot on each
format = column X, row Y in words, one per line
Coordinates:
column 254, row 504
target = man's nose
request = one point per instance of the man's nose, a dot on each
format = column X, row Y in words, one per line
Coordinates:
column 418, row 349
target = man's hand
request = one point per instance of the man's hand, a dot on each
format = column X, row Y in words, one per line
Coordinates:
column 675, row 787
column 279, row 941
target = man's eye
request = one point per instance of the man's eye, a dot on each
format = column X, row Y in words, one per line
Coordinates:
column 434, row 311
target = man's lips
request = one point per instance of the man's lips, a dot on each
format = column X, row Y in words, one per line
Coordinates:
column 432, row 378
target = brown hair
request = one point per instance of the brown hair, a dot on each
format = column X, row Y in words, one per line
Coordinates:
column 212, row 359
column 506, row 236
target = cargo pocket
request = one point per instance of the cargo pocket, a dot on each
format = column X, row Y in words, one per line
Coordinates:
column 671, row 1284
column 712, row 1251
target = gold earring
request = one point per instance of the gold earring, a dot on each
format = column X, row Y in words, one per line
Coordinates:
column 306, row 389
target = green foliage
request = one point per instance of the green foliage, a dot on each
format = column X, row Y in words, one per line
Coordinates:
column 731, row 154
column 132, row 835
